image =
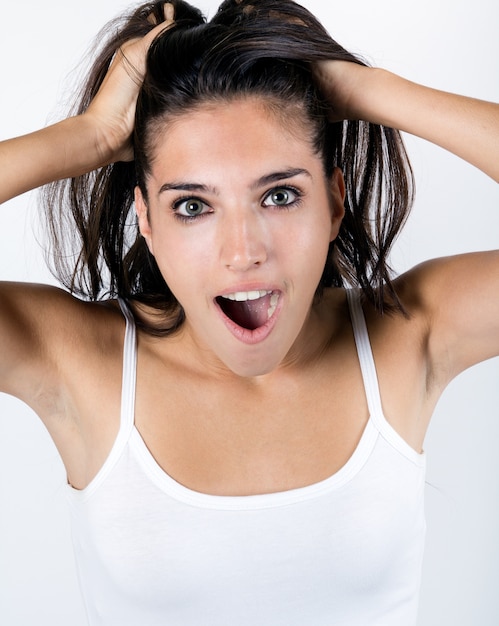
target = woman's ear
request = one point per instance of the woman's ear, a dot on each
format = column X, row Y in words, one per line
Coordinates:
column 143, row 218
column 337, row 199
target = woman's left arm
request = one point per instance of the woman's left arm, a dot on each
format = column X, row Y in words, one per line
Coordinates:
column 465, row 126
column 457, row 297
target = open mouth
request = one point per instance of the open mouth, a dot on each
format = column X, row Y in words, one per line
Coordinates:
column 249, row 309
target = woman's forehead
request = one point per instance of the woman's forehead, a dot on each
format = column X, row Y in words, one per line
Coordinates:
column 218, row 143
column 242, row 121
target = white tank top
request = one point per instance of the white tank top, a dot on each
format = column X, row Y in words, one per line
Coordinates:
column 345, row 551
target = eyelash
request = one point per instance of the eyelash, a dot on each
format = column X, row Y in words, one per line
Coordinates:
column 187, row 218
column 287, row 188
column 191, row 218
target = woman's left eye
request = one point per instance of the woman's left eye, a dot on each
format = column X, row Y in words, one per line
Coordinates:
column 281, row 196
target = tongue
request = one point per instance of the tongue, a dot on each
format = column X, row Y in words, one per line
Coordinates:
column 250, row 314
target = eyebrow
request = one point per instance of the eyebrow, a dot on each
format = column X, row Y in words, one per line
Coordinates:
column 277, row 176
column 261, row 182
column 185, row 186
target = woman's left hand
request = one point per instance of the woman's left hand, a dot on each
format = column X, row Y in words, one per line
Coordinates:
column 465, row 126
column 343, row 83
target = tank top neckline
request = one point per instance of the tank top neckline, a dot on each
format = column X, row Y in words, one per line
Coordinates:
column 376, row 426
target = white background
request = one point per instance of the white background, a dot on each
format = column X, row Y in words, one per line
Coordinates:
column 451, row 45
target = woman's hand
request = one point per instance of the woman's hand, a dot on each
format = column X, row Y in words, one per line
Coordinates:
column 112, row 111
column 85, row 142
column 343, row 83
column 465, row 126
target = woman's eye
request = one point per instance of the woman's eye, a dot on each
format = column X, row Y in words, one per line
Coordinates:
column 190, row 207
column 280, row 197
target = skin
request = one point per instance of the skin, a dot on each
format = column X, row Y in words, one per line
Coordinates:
column 297, row 419
column 242, row 241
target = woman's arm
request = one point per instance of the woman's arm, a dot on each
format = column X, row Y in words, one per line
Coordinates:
column 31, row 317
column 458, row 296
column 465, row 126
column 64, row 150
column 86, row 142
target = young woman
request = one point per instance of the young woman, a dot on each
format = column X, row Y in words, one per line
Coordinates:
column 241, row 406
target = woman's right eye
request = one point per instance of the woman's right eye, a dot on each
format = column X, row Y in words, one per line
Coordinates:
column 189, row 208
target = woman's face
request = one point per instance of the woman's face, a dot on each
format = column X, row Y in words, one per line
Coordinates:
column 239, row 218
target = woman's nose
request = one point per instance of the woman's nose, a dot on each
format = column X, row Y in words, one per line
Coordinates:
column 243, row 242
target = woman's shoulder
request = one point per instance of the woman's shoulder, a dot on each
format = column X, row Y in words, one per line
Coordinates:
column 58, row 312
column 46, row 332
column 451, row 314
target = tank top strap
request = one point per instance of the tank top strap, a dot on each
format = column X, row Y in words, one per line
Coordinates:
column 366, row 359
column 370, row 379
column 127, row 411
column 129, row 375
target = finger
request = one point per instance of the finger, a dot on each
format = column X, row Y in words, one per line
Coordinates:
column 131, row 55
column 169, row 11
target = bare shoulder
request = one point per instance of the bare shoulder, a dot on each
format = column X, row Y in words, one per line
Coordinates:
column 63, row 357
column 432, row 282
column 450, row 322
column 45, row 330
column 456, row 300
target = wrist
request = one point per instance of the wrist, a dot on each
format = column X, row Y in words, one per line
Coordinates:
column 109, row 143
column 351, row 89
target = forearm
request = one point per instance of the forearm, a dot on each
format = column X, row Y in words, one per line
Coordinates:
column 83, row 143
column 465, row 126
column 68, row 148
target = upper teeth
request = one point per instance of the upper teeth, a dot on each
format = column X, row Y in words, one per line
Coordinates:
column 241, row 296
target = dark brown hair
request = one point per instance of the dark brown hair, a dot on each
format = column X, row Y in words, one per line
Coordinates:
column 256, row 47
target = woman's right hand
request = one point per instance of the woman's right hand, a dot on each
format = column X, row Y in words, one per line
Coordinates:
column 85, row 142
column 112, row 111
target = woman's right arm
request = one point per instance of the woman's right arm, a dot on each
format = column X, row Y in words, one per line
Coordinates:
column 37, row 321
column 85, row 142
column 66, row 149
